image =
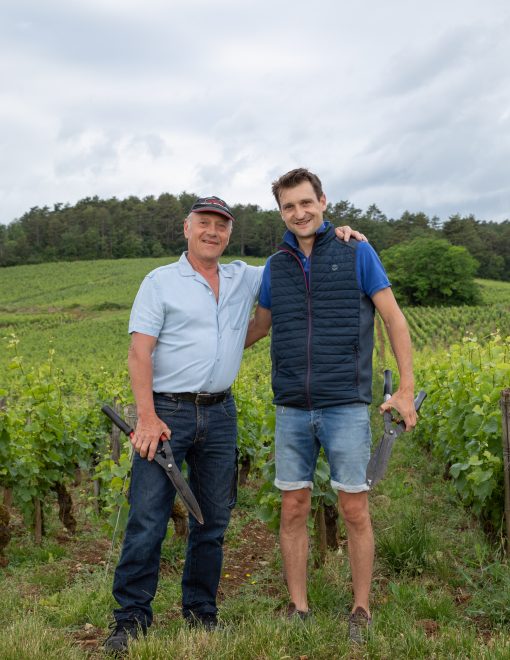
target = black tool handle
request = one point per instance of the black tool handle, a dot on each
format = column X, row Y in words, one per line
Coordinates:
column 388, row 384
column 388, row 388
column 417, row 405
column 118, row 421
column 419, row 400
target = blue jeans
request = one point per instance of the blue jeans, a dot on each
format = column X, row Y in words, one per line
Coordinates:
column 343, row 431
column 205, row 437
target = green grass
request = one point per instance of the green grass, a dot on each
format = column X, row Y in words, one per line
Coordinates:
column 406, row 547
column 447, row 598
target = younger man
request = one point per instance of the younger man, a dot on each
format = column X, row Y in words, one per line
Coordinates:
column 319, row 294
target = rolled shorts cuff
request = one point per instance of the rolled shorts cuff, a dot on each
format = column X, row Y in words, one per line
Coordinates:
column 293, row 485
column 349, row 489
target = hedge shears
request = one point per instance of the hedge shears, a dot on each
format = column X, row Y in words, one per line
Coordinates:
column 378, row 463
column 165, row 458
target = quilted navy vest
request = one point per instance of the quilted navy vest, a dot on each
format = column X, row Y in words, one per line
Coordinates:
column 323, row 333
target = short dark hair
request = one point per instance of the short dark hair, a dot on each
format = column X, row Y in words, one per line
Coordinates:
column 293, row 179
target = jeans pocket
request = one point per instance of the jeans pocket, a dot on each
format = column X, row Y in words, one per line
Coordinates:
column 165, row 405
column 229, row 407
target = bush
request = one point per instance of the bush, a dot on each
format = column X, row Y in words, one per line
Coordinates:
column 463, row 420
column 428, row 271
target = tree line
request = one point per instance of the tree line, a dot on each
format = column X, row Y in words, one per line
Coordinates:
column 97, row 228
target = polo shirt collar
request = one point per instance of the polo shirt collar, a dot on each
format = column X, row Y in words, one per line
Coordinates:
column 187, row 270
column 291, row 239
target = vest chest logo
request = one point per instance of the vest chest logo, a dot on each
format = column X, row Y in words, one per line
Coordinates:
column 334, row 267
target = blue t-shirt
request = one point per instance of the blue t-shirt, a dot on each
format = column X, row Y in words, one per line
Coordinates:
column 370, row 272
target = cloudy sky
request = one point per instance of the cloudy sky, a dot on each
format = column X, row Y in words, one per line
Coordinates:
column 401, row 103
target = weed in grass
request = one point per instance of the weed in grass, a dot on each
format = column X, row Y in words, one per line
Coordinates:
column 491, row 598
column 167, row 601
column 250, row 606
column 31, row 554
column 406, row 546
column 88, row 600
column 172, row 552
column 414, row 602
column 330, row 588
column 49, row 577
column 12, row 602
column 29, row 638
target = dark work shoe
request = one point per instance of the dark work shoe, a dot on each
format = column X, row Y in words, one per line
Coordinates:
column 208, row 622
column 122, row 632
column 294, row 613
column 359, row 626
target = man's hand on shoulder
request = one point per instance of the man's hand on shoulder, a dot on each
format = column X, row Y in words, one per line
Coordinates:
column 403, row 402
column 147, row 435
column 346, row 233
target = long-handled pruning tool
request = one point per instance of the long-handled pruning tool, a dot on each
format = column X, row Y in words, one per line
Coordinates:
column 378, row 463
column 165, row 458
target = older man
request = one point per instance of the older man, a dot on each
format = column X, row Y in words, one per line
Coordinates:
column 188, row 327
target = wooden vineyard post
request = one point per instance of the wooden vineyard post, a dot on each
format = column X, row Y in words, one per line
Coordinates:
column 130, row 415
column 321, row 544
column 38, row 523
column 7, row 498
column 331, row 520
column 505, row 411
column 115, row 435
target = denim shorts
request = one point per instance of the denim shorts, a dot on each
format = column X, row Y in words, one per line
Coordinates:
column 343, row 431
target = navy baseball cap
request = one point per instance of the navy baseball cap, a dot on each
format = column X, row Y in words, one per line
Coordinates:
column 213, row 204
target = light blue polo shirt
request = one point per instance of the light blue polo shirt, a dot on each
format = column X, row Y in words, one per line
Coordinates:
column 200, row 341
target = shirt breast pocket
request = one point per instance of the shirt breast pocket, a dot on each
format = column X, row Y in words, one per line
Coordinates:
column 237, row 313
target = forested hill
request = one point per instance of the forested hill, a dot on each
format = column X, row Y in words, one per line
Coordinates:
column 104, row 229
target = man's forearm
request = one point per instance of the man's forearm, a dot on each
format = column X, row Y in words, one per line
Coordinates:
column 255, row 332
column 258, row 326
column 400, row 341
column 140, row 371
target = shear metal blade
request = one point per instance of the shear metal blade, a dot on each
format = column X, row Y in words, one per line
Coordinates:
column 180, row 485
column 378, row 463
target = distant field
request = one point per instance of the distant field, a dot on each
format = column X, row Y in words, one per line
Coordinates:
column 495, row 292
column 93, row 285
column 82, row 309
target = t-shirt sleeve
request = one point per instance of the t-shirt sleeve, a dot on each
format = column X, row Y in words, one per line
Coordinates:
column 265, row 287
column 147, row 314
column 255, row 273
column 369, row 270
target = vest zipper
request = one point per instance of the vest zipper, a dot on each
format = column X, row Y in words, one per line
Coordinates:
column 309, row 344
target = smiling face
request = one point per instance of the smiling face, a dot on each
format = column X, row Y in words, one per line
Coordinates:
column 208, row 235
column 302, row 212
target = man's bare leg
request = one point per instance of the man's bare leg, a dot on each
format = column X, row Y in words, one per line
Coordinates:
column 354, row 509
column 294, row 543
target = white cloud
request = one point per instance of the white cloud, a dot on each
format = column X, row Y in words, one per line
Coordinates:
column 402, row 104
